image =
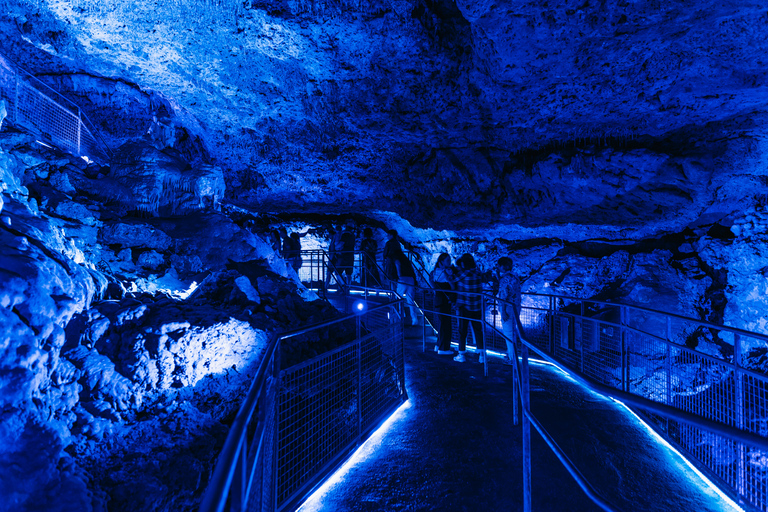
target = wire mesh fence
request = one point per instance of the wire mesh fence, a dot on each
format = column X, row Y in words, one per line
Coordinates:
column 320, row 271
column 261, row 497
column 328, row 404
column 52, row 117
column 693, row 366
column 297, row 424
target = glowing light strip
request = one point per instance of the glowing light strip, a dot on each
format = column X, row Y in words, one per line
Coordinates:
column 504, row 354
column 695, row 470
column 314, row 501
column 655, row 435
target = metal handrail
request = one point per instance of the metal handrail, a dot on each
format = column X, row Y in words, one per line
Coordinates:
column 522, row 392
column 518, row 387
column 232, row 460
column 664, row 410
column 418, row 265
column 672, row 343
column 325, row 260
column 700, row 323
column 84, row 124
column 732, row 428
column 234, row 445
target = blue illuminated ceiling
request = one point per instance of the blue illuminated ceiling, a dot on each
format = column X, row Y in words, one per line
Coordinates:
column 444, row 112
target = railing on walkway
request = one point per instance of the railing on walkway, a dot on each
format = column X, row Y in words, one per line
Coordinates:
column 715, row 403
column 706, row 402
column 317, row 271
column 296, row 425
column 35, row 106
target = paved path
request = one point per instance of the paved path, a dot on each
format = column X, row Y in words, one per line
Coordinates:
column 455, row 449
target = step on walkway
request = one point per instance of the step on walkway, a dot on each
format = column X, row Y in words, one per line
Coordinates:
column 454, row 448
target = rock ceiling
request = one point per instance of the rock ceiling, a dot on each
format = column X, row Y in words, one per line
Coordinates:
column 629, row 113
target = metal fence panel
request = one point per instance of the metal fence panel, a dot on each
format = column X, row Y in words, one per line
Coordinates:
column 262, row 495
column 685, row 363
column 35, row 106
column 382, row 376
column 327, row 405
column 317, row 407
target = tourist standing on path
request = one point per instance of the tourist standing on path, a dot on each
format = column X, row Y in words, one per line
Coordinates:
column 440, row 278
column 275, row 242
column 368, row 250
column 406, row 283
column 469, row 285
column 292, row 250
column 333, row 255
column 391, row 250
column 509, row 302
column 346, row 253
column 285, row 241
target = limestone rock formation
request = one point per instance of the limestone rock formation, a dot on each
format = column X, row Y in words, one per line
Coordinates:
column 615, row 151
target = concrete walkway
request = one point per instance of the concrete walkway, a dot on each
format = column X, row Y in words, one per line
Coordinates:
column 455, row 448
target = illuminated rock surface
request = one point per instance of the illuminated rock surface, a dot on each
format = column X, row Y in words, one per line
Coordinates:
column 613, row 151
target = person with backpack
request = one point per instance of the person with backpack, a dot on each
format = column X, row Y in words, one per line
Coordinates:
column 333, row 255
column 346, row 253
column 293, row 252
column 368, row 250
column 440, row 279
column 406, row 283
column 391, row 250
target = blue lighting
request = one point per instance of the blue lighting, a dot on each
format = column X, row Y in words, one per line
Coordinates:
column 680, row 459
column 314, row 502
column 359, row 306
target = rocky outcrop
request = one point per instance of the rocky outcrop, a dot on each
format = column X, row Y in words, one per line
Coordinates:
column 86, row 355
column 446, row 113
column 161, row 179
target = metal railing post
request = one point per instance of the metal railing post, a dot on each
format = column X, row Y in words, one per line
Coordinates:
column 526, row 405
column 276, row 433
column 668, row 361
column 79, row 125
column 484, row 351
column 551, row 340
column 581, row 338
column 359, row 383
column 627, row 345
column 624, row 357
column 739, row 412
column 515, row 391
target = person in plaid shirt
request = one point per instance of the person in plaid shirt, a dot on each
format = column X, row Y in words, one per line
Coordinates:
column 509, row 295
column 469, row 285
column 440, row 279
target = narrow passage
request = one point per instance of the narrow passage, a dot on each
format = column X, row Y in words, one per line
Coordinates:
column 455, row 448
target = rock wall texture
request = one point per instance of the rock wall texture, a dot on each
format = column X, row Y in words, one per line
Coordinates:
column 445, row 112
column 613, row 150
column 126, row 341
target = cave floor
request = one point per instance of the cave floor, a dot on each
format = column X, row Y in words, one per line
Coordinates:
column 455, row 448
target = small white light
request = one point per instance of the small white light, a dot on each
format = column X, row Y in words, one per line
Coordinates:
column 359, row 306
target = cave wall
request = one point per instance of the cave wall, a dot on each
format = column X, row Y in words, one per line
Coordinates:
column 440, row 111
column 614, row 151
